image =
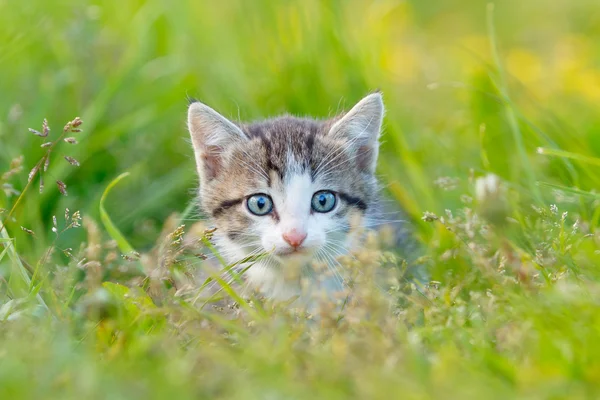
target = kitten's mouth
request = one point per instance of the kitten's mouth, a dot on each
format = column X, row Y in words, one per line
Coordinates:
column 292, row 251
column 293, row 257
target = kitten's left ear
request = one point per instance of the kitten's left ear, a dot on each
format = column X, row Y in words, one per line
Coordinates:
column 361, row 128
column 211, row 134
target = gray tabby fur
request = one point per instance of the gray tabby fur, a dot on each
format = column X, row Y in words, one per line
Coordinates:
column 290, row 159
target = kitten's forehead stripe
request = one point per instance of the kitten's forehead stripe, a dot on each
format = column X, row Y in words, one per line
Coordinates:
column 283, row 135
column 310, row 142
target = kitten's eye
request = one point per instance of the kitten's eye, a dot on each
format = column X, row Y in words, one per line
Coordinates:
column 323, row 201
column 259, row 204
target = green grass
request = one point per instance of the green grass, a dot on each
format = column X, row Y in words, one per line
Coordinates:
column 107, row 309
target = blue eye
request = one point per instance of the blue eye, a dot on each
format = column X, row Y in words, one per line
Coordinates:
column 323, row 201
column 259, row 204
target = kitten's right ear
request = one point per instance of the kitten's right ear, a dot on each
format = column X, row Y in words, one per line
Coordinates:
column 360, row 129
column 211, row 133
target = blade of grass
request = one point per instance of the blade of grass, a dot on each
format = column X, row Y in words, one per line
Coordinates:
column 254, row 313
column 216, row 318
column 570, row 190
column 189, row 209
column 535, row 128
column 111, row 228
column 214, row 251
column 19, row 282
column 219, row 280
column 236, row 276
column 569, row 155
column 511, row 116
column 229, row 269
column 5, row 249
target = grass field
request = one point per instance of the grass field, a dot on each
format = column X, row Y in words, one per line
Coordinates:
column 99, row 303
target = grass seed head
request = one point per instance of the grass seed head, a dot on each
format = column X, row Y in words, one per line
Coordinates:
column 75, row 220
column 76, row 122
column 132, row 256
column 176, row 236
column 16, row 162
column 46, row 162
column 447, row 183
column 36, row 132
column 208, row 233
column 28, row 231
column 16, row 166
column 429, row 217
column 45, row 127
column 62, row 188
column 72, row 161
column 33, row 172
column 72, row 126
column 9, row 190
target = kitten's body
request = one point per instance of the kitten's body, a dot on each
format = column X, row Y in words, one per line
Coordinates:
column 298, row 167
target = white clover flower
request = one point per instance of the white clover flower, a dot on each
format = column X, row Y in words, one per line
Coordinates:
column 490, row 195
column 486, row 187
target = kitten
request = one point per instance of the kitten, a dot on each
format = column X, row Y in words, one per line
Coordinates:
column 296, row 188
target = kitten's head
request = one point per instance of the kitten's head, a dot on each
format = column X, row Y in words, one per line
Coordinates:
column 290, row 186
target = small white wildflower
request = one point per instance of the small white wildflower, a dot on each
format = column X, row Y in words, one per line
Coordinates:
column 466, row 199
column 486, row 186
column 429, row 217
column 575, row 227
column 447, row 183
column 492, row 203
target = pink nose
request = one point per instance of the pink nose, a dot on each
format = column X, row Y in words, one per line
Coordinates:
column 294, row 238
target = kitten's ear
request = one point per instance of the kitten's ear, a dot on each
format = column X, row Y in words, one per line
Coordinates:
column 360, row 128
column 211, row 133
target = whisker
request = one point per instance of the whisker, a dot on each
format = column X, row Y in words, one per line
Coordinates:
column 327, row 261
column 332, row 265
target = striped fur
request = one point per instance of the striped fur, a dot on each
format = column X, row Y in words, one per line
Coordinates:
column 288, row 159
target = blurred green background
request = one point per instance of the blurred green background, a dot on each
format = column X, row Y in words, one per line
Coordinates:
column 514, row 311
column 126, row 67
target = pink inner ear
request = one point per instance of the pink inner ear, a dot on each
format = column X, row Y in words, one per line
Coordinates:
column 211, row 162
column 364, row 158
